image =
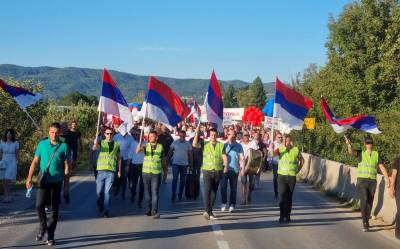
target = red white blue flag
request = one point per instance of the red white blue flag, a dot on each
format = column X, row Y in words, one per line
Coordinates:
column 290, row 106
column 23, row 97
column 214, row 104
column 112, row 101
column 339, row 125
column 163, row 105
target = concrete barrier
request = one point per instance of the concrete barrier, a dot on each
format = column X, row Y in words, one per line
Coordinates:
column 342, row 179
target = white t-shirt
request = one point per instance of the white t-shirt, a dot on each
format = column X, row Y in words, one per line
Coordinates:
column 136, row 158
column 275, row 159
column 246, row 149
column 181, row 150
column 124, row 144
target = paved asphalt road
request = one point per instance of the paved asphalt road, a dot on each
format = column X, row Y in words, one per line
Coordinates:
column 317, row 223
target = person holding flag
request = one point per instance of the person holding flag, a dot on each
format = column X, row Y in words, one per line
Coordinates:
column 369, row 162
column 153, row 164
column 108, row 162
column 215, row 161
column 289, row 164
column 111, row 102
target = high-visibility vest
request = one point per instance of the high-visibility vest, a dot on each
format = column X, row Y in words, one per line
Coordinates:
column 212, row 156
column 367, row 168
column 152, row 163
column 288, row 164
column 107, row 160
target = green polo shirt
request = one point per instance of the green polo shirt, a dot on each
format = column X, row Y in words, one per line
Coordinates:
column 44, row 151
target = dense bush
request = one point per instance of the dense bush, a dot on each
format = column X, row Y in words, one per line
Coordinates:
column 361, row 76
column 45, row 112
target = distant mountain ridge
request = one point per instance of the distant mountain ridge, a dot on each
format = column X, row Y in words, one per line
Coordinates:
column 58, row 82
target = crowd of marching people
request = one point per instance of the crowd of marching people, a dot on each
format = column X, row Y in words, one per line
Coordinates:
column 142, row 157
column 134, row 164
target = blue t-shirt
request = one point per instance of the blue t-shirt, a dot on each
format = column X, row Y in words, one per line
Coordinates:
column 233, row 151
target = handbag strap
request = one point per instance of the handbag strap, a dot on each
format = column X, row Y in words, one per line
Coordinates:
column 230, row 148
column 51, row 157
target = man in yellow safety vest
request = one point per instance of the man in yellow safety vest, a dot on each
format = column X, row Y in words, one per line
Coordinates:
column 289, row 164
column 153, row 164
column 108, row 162
column 369, row 161
column 215, row 162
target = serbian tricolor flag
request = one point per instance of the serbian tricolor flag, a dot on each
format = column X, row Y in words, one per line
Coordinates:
column 290, row 106
column 23, row 97
column 195, row 112
column 214, row 104
column 112, row 101
column 339, row 125
column 196, row 109
column 163, row 105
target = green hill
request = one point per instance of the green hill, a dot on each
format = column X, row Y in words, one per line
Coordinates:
column 58, row 82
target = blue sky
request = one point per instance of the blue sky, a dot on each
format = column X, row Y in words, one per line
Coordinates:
column 183, row 39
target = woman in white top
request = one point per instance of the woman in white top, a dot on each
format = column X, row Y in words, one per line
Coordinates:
column 8, row 165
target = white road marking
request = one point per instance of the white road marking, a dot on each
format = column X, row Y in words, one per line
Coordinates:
column 222, row 244
column 217, row 230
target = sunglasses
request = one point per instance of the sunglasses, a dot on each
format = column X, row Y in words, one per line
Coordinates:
column 108, row 133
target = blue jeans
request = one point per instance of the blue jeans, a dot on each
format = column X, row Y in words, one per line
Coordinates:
column 178, row 170
column 104, row 182
column 232, row 177
column 151, row 190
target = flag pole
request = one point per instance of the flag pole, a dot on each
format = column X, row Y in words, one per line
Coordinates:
column 98, row 120
column 205, row 107
column 33, row 121
column 273, row 116
column 144, row 117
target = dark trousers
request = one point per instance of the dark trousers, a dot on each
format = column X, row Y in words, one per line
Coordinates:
column 121, row 182
column 211, row 182
column 178, row 171
column 232, row 177
column 398, row 213
column 286, row 186
column 366, row 190
column 275, row 177
column 151, row 190
column 50, row 191
column 135, row 176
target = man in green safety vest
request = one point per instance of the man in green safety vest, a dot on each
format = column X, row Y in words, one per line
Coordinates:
column 108, row 162
column 289, row 164
column 153, row 164
column 369, row 161
column 215, row 162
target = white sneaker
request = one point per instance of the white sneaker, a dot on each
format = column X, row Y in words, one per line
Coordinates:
column 231, row 208
column 223, row 208
column 206, row 216
column 213, row 217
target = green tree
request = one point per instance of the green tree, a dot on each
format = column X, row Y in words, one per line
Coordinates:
column 74, row 98
column 244, row 96
column 361, row 76
column 139, row 98
column 258, row 96
column 229, row 97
